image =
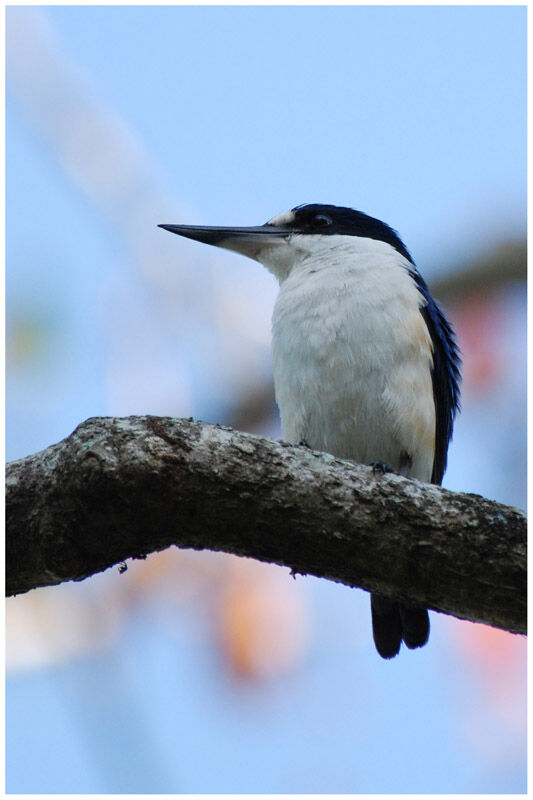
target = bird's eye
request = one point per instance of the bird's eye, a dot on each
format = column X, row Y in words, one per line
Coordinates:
column 322, row 220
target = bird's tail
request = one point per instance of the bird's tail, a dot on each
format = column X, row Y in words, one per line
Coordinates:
column 393, row 623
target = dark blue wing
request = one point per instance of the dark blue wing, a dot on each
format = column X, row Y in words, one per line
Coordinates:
column 446, row 375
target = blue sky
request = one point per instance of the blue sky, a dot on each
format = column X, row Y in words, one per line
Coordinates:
column 415, row 114
column 229, row 115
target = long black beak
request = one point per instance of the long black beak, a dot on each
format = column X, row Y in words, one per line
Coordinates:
column 248, row 241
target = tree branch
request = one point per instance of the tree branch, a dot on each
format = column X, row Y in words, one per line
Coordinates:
column 124, row 487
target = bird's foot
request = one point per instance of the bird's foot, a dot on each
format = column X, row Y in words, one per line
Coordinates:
column 381, row 468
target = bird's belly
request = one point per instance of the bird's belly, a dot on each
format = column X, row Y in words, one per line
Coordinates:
column 348, row 383
column 331, row 405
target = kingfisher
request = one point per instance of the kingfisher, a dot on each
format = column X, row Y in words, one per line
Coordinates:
column 366, row 365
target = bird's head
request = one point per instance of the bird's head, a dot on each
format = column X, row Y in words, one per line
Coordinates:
column 305, row 231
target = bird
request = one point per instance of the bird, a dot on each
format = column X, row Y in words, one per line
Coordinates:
column 366, row 364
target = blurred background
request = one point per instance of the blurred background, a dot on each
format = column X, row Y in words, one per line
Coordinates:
column 200, row 672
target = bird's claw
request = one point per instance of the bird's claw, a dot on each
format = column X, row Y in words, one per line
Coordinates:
column 381, row 468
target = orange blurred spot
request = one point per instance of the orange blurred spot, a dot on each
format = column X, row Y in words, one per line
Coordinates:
column 478, row 319
column 261, row 620
column 498, row 660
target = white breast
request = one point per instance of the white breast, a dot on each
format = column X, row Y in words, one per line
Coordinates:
column 352, row 358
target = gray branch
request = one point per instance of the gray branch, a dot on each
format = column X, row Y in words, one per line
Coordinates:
column 124, row 487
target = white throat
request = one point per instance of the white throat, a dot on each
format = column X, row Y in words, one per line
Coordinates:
column 328, row 252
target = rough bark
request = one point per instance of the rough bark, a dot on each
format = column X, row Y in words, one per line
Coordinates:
column 124, row 487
